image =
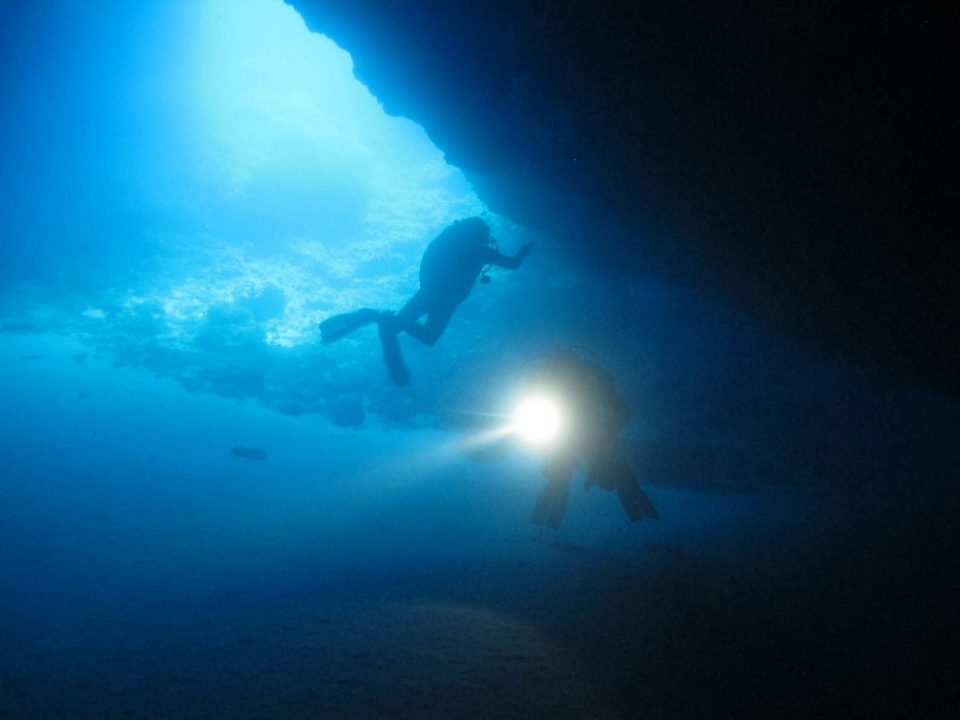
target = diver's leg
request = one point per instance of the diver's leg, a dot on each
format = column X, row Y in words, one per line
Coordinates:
column 636, row 503
column 437, row 321
column 603, row 471
column 339, row 326
column 392, row 356
column 416, row 307
column 389, row 325
column 552, row 504
column 438, row 317
column 560, row 494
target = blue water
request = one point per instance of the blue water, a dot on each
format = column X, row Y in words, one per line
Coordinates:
column 204, row 512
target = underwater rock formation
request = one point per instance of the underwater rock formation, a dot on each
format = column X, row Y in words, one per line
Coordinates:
column 787, row 159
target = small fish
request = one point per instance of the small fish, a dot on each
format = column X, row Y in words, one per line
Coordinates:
column 248, row 453
column 17, row 326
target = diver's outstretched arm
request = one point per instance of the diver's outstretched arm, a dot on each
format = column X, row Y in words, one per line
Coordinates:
column 504, row 261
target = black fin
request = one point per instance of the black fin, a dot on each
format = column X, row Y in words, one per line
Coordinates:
column 636, row 503
column 392, row 357
column 339, row 326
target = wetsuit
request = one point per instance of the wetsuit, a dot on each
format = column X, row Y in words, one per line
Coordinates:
column 595, row 415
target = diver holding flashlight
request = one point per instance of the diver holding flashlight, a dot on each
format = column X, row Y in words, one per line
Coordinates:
column 594, row 413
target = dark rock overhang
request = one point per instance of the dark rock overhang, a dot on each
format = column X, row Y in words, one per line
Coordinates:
column 793, row 160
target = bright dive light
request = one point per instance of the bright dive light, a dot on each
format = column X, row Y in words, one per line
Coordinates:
column 538, row 419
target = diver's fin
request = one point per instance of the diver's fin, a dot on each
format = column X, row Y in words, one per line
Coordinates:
column 392, row 357
column 339, row 326
column 552, row 504
column 636, row 503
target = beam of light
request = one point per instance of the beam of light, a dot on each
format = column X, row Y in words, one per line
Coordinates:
column 538, row 419
column 476, row 441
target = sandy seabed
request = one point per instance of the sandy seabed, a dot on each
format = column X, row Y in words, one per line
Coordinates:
column 378, row 573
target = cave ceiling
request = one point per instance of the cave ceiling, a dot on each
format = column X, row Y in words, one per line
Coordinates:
column 791, row 159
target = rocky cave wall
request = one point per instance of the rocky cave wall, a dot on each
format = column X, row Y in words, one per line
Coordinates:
column 791, row 159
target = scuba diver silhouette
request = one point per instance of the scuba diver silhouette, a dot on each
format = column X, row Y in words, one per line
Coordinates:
column 449, row 269
column 595, row 413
